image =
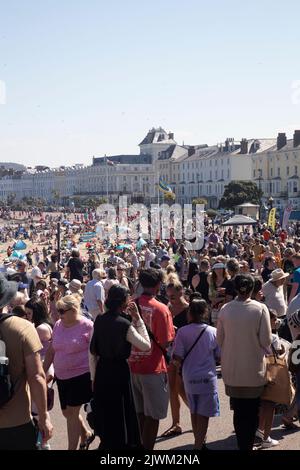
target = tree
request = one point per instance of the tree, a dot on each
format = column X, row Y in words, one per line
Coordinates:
column 199, row 200
column 11, row 199
column 211, row 213
column 239, row 192
column 169, row 197
column 56, row 195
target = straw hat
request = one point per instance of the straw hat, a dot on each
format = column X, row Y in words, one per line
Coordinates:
column 75, row 286
column 278, row 274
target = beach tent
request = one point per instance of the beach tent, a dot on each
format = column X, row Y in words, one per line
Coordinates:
column 239, row 220
column 20, row 245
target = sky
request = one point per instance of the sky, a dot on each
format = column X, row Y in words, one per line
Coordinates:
column 89, row 77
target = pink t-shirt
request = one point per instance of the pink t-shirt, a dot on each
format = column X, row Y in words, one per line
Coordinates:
column 71, row 347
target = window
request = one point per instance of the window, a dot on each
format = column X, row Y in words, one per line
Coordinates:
column 287, row 171
column 295, row 187
column 253, row 173
column 216, row 162
column 296, row 170
column 278, row 171
column 216, row 174
column 271, row 172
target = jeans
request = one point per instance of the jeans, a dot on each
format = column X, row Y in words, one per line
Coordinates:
column 245, row 420
column 19, row 438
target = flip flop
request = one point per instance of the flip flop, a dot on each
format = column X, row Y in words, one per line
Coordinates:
column 86, row 444
column 173, row 431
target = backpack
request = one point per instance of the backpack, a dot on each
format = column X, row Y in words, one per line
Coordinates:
column 131, row 285
column 284, row 331
column 6, row 386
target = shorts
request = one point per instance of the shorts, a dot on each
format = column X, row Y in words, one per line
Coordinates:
column 151, row 394
column 204, row 405
column 22, row 437
column 75, row 391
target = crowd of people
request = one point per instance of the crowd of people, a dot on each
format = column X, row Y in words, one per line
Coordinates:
column 132, row 330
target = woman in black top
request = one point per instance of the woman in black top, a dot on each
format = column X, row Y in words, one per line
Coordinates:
column 179, row 308
column 200, row 280
column 114, row 412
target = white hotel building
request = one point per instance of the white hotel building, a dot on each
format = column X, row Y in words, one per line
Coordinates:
column 191, row 170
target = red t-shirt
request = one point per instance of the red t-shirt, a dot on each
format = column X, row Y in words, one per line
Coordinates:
column 267, row 235
column 283, row 236
column 158, row 319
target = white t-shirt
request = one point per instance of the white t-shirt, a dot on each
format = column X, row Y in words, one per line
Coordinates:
column 94, row 291
column 274, row 298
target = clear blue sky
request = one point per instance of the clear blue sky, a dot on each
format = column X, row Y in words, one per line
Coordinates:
column 88, row 77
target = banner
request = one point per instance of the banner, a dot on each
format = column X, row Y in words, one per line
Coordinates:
column 286, row 216
column 272, row 218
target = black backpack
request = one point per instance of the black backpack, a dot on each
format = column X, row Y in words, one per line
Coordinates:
column 6, row 386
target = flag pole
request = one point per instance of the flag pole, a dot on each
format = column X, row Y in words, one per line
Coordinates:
column 106, row 179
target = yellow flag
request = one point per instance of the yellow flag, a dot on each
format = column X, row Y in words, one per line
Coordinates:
column 272, row 218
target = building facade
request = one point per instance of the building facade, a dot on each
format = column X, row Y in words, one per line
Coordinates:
column 276, row 171
column 192, row 171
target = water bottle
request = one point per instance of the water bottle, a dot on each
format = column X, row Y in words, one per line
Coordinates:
column 4, row 361
column 39, row 441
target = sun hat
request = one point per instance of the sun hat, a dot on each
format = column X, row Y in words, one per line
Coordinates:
column 219, row 266
column 7, row 262
column 278, row 274
column 75, row 286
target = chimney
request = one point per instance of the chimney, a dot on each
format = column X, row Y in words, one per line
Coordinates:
column 226, row 146
column 244, row 146
column 296, row 138
column 281, row 140
column 191, row 150
column 171, row 136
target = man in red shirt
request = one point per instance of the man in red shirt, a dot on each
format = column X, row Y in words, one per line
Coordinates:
column 149, row 369
column 267, row 235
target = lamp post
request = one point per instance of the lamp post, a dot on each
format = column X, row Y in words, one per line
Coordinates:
column 260, row 194
column 271, row 200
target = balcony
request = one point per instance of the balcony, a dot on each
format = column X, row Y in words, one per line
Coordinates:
column 284, row 195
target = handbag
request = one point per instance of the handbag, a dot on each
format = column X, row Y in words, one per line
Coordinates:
column 294, row 356
column 279, row 387
column 190, row 350
column 50, row 396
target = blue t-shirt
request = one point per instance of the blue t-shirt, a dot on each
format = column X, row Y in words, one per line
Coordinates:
column 296, row 279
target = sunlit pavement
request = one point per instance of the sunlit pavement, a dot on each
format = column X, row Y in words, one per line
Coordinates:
column 220, row 434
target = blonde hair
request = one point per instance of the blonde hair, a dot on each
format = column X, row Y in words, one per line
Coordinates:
column 174, row 283
column 172, row 278
column 69, row 302
column 170, row 269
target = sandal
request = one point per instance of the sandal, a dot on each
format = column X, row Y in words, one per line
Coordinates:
column 86, row 444
column 172, row 431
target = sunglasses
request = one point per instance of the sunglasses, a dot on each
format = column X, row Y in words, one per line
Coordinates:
column 61, row 311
